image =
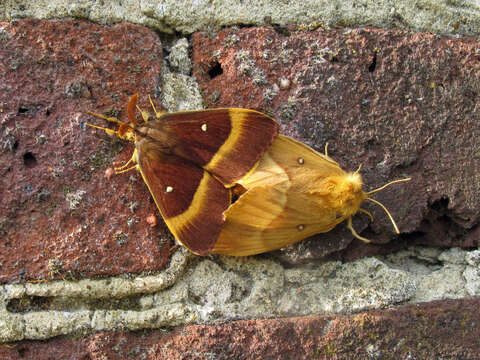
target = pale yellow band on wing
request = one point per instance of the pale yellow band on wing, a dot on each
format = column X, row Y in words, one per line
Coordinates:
column 178, row 223
column 267, row 172
column 237, row 117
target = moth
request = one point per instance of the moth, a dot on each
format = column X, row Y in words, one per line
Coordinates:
column 295, row 192
column 190, row 160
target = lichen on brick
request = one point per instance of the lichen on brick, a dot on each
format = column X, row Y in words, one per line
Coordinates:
column 74, row 198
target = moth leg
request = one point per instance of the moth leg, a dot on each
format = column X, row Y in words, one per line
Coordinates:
column 354, row 233
column 121, row 169
column 123, row 166
column 159, row 113
column 126, row 170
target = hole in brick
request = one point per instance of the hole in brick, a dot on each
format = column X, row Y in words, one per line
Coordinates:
column 29, row 160
column 373, row 64
column 440, row 205
column 215, row 70
column 281, row 30
column 22, row 352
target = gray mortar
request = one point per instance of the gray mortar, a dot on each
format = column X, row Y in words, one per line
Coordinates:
column 222, row 288
column 179, row 59
column 179, row 90
column 437, row 16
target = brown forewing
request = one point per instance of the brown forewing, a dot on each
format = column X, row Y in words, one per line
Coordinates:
column 190, row 200
column 201, row 230
column 226, row 142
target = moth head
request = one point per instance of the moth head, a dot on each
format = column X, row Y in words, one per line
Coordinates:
column 351, row 187
column 125, row 131
column 366, row 196
column 344, row 192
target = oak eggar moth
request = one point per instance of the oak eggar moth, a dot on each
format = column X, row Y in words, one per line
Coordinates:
column 190, row 159
column 294, row 192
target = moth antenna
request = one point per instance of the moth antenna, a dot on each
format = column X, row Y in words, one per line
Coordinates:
column 354, row 233
column 108, row 131
column 368, row 213
column 123, row 128
column 387, row 185
column 132, row 103
column 145, row 114
column 158, row 114
column 358, row 170
column 388, row 213
column 106, row 118
column 326, row 148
